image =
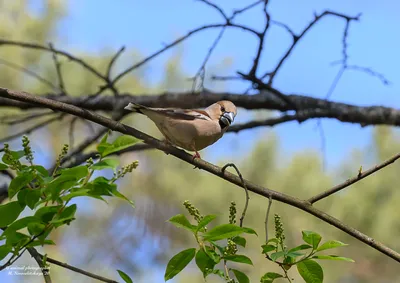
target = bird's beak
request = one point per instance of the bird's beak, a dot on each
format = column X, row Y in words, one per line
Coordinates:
column 227, row 118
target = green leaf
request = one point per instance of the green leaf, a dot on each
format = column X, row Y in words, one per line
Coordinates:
column 249, row 231
column 275, row 256
column 311, row 238
column 273, row 240
column 67, row 214
column 36, row 228
column 124, row 276
column 3, row 167
column 15, row 154
column 41, row 170
column 181, row 221
column 4, row 250
column 311, row 271
column 118, row 194
column 19, row 182
column 300, row 248
column 273, row 275
column 77, row 172
column 213, row 254
column 204, row 262
column 269, row 277
column 268, row 248
column 103, row 143
column 333, row 257
column 14, row 238
column 120, row 143
column 206, row 220
column 289, row 260
column 240, row 241
column 219, row 272
column 331, row 245
column 61, row 183
column 32, row 197
column 179, row 262
column 40, row 243
column 240, row 276
column 46, row 213
column 75, row 194
column 238, row 258
column 100, row 188
column 294, row 254
column 21, row 197
column 9, row 213
column 106, row 163
column 21, row 223
column 224, row 231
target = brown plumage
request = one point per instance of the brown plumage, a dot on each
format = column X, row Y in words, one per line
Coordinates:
column 190, row 129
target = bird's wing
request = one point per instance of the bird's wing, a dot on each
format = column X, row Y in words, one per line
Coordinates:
column 175, row 113
column 182, row 114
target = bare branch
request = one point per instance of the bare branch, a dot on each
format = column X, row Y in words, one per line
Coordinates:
column 39, row 259
column 17, row 119
column 296, row 38
column 58, row 70
column 244, row 9
column 77, row 270
column 30, row 73
column 349, row 182
column 202, row 70
column 246, row 204
column 219, row 9
column 215, row 170
column 266, row 218
column 56, row 51
column 176, row 42
column 33, row 128
column 266, row 99
column 113, row 60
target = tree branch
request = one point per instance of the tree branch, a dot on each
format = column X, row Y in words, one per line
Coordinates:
column 267, row 100
column 75, row 269
column 349, row 182
column 215, row 170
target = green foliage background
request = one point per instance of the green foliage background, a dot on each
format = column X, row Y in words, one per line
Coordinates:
column 105, row 238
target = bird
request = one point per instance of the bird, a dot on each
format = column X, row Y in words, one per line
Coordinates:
column 190, row 129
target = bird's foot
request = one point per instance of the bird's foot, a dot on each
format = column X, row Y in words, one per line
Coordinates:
column 196, row 155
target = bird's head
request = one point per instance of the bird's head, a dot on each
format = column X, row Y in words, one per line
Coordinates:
column 224, row 111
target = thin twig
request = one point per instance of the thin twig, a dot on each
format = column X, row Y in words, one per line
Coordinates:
column 113, row 60
column 58, row 70
column 78, row 270
column 177, row 41
column 71, row 133
column 353, row 180
column 202, row 70
column 267, row 217
column 216, row 7
column 245, row 189
column 32, row 129
column 30, row 73
column 296, row 38
column 28, row 117
column 63, row 53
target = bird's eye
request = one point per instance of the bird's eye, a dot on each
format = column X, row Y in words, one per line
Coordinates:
column 222, row 108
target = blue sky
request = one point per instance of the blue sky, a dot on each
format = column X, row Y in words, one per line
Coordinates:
column 95, row 25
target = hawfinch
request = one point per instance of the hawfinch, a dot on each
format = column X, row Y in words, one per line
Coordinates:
column 190, row 129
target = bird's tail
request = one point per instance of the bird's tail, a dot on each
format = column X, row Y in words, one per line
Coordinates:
column 134, row 107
